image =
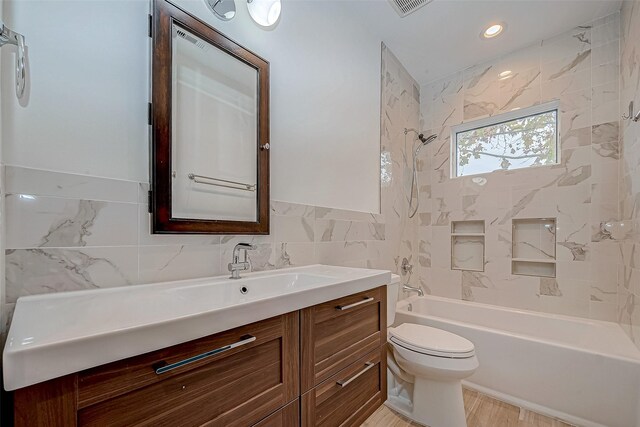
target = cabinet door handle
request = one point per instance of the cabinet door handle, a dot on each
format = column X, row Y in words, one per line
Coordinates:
column 162, row 367
column 344, row 383
column 355, row 304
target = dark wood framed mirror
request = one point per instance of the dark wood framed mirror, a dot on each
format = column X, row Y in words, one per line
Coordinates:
column 210, row 129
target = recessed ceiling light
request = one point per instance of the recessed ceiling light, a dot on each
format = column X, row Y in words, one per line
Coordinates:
column 505, row 74
column 493, row 30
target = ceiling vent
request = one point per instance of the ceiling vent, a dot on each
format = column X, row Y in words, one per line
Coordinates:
column 406, row 7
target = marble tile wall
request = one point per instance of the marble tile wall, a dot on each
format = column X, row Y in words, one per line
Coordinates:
column 400, row 109
column 628, row 229
column 4, row 313
column 70, row 232
column 580, row 68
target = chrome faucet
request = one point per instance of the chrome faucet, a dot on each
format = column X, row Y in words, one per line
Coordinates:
column 409, row 288
column 405, row 269
column 235, row 267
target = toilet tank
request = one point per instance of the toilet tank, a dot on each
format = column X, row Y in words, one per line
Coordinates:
column 392, row 298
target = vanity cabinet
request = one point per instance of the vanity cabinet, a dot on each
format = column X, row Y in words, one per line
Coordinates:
column 350, row 396
column 324, row 365
column 343, row 359
column 287, row 416
column 237, row 386
column 337, row 333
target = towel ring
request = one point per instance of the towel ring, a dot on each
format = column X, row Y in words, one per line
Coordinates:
column 10, row 37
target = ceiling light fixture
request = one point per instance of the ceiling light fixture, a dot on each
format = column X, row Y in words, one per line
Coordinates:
column 222, row 9
column 492, row 31
column 505, row 74
column 264, row 12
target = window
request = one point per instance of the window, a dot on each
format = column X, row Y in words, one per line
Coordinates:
column 518, row 139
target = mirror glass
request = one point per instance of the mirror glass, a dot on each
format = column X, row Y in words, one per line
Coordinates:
column 214, row 157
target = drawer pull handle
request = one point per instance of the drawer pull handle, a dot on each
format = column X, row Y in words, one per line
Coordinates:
column 345, row 383
column 245, row 339
column 355, row 304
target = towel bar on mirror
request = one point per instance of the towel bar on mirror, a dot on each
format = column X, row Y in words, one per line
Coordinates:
column 201, row 179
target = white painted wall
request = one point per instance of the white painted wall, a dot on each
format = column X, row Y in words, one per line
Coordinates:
column 2, row 190
column 3, row 309
column 89, row 87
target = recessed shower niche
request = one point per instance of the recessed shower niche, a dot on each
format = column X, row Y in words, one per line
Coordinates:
column 534, row 247
column 467, row 245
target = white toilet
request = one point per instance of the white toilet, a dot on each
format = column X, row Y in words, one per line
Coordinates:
column 426, row 367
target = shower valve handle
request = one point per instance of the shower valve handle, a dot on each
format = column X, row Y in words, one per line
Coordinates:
column 406, row 267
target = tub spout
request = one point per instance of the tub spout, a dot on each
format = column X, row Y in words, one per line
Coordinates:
column 408, row 288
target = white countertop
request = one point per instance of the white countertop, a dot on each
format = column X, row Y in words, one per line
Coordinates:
column 58, row 334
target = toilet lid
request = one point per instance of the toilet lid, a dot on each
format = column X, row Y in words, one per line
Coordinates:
column 431, row 341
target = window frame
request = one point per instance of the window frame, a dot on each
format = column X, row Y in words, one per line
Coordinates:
column 498, row 119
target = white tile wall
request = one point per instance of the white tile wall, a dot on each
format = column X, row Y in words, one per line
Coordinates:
column 578, row 68
column 80, row 232
column 72, row 232
column 400, row 109
column 629, row 227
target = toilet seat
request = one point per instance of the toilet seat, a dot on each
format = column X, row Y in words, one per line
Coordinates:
column 431, row 341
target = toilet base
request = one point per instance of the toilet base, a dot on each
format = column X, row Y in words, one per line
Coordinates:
column 435, row 403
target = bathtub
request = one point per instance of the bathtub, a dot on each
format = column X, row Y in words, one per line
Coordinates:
column 585, row 372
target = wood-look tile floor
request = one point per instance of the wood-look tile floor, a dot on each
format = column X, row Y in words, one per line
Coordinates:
column 481, row 411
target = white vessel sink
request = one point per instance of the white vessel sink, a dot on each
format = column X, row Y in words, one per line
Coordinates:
column 58, row 334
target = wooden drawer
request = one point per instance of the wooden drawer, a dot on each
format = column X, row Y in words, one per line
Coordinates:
column 289, row 416
column 350, row 396
column 337, row 333
column 236, row 387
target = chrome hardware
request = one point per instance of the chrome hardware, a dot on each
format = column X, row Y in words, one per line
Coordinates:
column 245, row 339
column 406, row 267
column 236, row 266
column 265, row 146
column 344, row 383
column 221, row 182
column 355, row 304
column 224, row 10
column 11, row 37
column 605, row 229
column 409, row 288
column 631, row 116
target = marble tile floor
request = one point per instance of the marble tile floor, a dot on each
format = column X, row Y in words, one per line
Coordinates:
column 481, row 411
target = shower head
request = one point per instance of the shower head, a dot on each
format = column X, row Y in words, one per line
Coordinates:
column 426, row 140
